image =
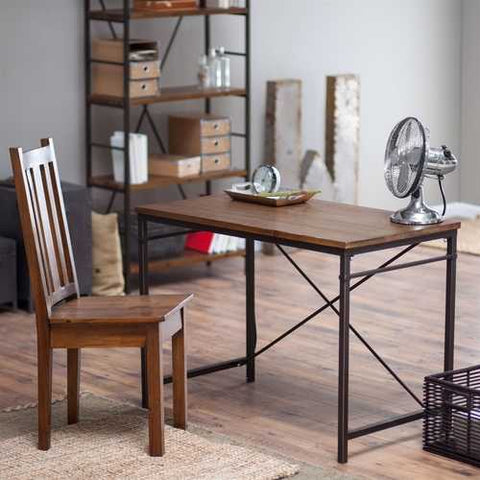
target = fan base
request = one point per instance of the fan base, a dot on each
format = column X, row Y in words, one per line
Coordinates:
column 418, row 219
column 416, row 213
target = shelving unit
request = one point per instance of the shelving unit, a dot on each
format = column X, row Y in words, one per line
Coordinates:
column 123, row 17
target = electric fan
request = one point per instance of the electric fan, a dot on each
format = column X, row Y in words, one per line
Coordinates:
column 408, row 160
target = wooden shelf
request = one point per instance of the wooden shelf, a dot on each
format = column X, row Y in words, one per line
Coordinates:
column 107, row 182
column 170, row 94
column 116, row 15
column 187, row 258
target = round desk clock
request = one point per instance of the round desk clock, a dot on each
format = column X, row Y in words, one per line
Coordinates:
column 266, row 179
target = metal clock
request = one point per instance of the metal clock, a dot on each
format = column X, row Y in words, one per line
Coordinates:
column 266, row 178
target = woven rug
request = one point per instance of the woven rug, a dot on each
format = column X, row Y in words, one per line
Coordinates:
column 110, row 442
column 468, row 240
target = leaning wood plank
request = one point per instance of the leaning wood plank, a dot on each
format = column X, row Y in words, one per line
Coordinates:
column 283, row 129
column 314, row 175
column 283, row 132
column 342, row 135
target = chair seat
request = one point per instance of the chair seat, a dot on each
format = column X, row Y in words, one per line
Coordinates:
column 128, row 309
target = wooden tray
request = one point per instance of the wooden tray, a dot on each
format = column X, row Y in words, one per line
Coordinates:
column 302, row 197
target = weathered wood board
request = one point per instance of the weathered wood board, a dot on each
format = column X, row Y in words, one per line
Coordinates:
column 283, row 133
column 314, row 175
column 283, row 129
column 342, row 135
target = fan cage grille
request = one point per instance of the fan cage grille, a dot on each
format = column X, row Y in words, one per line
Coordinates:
column 405, row 157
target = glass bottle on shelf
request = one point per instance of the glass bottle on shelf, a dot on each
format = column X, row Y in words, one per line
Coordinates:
column 215, row 69
column 204, row 76
column 224, row 67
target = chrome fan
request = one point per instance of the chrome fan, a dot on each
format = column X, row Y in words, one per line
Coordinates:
column 408, row 160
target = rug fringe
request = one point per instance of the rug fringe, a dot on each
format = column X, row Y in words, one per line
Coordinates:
column 26, row 406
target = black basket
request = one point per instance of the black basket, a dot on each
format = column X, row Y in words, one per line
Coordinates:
column 451, row 424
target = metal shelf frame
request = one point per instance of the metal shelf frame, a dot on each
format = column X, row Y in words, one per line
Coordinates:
column 124, row 17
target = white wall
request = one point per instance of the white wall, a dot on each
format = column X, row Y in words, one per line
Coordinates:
column 470, row 170
column 407, row 53
column 41, row 80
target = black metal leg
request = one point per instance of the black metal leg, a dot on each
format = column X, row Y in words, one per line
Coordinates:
column 343, row 354
column 143, row 285
column 251, row 320
column 450, row 302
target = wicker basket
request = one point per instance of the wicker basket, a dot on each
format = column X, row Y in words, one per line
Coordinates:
column 452, row 414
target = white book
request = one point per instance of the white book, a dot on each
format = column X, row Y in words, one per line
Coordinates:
column 240, row 244
column 138, row 147
column 117, row 140
column 225, row 242
column 142, row 158
column 215, row 243
column 232, row 244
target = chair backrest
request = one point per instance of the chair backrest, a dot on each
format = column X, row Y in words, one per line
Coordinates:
column 44, row 225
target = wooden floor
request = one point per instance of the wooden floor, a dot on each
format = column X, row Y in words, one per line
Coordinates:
column 292, row 406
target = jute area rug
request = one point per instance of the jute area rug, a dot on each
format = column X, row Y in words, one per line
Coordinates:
column 468, row 240
column 110, row 442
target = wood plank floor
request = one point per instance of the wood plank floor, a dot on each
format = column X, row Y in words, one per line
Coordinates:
column 292, row 407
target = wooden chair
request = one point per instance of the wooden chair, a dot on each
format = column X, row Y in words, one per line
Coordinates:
column 65, row 320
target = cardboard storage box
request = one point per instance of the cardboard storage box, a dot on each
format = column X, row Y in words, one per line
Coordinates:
column 111, row 50
column 161, row 5
column 107, row 79
column 211, row 163
column 201, row 134
column 174, row 166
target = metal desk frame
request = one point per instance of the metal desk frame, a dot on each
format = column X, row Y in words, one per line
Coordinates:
column 343, row 311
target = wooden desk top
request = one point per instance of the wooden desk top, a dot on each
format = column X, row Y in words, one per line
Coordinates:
column 320, row 223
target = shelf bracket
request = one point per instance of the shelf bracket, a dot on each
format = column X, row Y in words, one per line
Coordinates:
column 182, row 192
column 110, row 25
column 140, row 119
column 155, row 131
column 170, row 43
column 110, row 203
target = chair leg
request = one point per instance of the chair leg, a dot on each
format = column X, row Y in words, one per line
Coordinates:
column 73, row 384
column 179, row 377
column 44, row 396
column 155, row 393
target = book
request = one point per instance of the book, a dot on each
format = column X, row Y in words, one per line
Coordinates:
column 213, row 243
column 138, row 148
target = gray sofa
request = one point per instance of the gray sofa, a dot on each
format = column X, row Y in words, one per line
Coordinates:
column 78, row 208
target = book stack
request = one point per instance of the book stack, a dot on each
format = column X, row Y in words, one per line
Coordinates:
column 138, row 148
column 213, row 243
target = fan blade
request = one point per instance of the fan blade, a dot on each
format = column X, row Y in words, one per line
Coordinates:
column 403, row 177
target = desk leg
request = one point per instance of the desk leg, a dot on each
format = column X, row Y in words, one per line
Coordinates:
column 450, row 302
column 343, row 354
column 250, row 314
column 143, row 285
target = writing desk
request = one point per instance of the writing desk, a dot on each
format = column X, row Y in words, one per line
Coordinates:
column 326, row 227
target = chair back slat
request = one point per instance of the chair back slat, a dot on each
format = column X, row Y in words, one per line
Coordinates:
column 58, row 235
column 41, row 211
column 44, row 224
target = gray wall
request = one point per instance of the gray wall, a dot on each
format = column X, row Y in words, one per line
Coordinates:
column 470, row 172
column 41, row 80
column 406, row 52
